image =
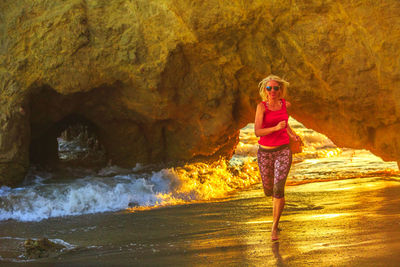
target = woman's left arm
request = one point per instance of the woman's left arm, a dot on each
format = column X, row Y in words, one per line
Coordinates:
column 290, row 132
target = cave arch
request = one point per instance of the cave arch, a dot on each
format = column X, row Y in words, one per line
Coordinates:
column 128, row 137
column 51, row 113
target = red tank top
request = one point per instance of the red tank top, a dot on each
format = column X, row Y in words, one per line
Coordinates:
column 271, row 119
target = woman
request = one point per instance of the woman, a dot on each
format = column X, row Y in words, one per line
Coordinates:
column 274, row 155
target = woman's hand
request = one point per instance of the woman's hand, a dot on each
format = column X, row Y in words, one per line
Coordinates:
column 280, row 125
column 296, row 137
column 293, row 135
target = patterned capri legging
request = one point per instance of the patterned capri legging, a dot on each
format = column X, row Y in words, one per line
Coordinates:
column 274, row 165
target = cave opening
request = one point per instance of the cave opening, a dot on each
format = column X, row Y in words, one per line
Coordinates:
column 67, row 130
column 72, row 141
column 321, row 159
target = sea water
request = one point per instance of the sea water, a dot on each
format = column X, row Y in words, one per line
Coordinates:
column 150, row 214
column 78, row 191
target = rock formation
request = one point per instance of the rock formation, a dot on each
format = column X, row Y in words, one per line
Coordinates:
column 41, row 248
column 162, row 80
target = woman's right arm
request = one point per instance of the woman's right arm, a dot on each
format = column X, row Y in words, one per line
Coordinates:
column 258, row 123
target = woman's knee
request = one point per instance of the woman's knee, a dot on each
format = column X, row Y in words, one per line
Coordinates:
column 279, row 189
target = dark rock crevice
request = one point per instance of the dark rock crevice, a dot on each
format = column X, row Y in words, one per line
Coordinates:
column 52, row 113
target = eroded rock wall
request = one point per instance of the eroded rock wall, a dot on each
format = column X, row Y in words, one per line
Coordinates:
column 176, row 80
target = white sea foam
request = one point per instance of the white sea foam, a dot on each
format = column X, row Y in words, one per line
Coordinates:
column 114, row 188
column 82, row 196
column 61, row 242
column 94, row 194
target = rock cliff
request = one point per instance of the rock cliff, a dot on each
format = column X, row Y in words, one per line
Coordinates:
column 162, row 80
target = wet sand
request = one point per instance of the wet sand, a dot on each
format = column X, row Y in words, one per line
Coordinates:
column 354, row 222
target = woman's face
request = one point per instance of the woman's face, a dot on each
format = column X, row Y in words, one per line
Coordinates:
column 271, row 87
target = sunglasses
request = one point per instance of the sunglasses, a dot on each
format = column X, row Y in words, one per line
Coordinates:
column 269, row 88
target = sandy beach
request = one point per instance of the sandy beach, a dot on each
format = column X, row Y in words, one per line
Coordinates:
column 132, row 132
column 353, row 222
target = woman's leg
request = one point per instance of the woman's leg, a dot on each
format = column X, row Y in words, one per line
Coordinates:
column 278, row 204
column 282, row 166
column 266, row 167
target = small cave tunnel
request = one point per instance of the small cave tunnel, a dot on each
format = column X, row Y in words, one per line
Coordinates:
column 72, row 141
column 65, row 130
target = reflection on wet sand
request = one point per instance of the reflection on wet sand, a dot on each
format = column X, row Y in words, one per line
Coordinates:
column 329, row 227
column 320, row 226
column 277, row 255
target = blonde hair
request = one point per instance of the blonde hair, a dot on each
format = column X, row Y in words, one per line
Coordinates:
column 282, row 83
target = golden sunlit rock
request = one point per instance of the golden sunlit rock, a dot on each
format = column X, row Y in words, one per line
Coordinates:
column 176, row 80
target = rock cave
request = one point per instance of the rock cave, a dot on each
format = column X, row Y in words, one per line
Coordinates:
column 161, row 81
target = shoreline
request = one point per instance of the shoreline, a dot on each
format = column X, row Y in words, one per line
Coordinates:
column 350, row 222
